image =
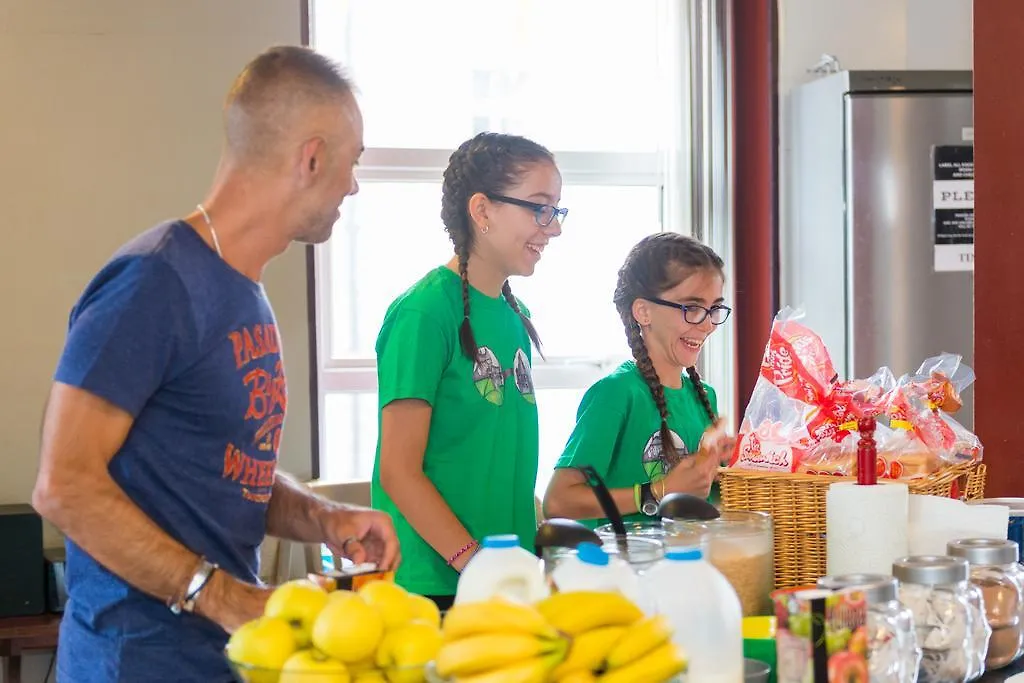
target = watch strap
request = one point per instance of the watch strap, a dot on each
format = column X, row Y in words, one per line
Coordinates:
column 647, row 500
column 201, row 577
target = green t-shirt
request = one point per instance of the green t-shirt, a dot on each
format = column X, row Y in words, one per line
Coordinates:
column 618, row 430
column 483, row 442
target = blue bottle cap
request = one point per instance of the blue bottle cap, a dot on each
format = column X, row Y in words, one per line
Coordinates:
column 684, row 554
column 501, row 541
column 591, row 553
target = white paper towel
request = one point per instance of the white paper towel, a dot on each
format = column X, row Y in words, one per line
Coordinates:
column 934, row 521
column 866, row 527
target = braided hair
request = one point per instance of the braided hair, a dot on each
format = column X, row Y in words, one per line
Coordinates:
column 488, row 163
column 657, row 263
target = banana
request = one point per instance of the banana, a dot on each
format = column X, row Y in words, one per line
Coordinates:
column 639, row 639
column 534, row 670
column 656, row 667
column 495, row 615
column 581, row 611
column 578, row 677
column 481, row 653
column 588, row 651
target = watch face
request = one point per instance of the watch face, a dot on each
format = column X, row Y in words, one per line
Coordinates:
column 649, row 508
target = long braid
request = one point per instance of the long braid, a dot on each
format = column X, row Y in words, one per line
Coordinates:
column 489, row 163
column 466, row 338
column 702, row 393
column 656, row 264
column 506, row 290
column 646, row 368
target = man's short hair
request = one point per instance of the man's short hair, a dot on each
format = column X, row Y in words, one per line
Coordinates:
column 272, row 91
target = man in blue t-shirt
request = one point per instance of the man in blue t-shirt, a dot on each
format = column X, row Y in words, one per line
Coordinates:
column 161, row 433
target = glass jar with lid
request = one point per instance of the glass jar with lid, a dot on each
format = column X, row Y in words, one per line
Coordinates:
column 937, row 591
column 1015, row 532
column 996, row 573
column 893, row 652
column 739, row 544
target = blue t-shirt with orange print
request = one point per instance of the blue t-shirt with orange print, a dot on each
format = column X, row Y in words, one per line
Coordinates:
column 188, row 346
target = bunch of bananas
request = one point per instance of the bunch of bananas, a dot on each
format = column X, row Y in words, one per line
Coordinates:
column 612, row 640
column 498, row 641
column 575, row 637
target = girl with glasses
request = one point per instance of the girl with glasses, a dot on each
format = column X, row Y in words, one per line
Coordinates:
column 651, row 427
column 457, row 454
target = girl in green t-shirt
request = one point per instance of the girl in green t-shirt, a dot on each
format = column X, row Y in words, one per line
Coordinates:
column 651, row 426
column 457, row 454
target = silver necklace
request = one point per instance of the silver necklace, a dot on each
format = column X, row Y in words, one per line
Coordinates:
column 213, row 233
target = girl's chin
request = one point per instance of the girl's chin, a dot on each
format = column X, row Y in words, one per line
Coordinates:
column 686, row 357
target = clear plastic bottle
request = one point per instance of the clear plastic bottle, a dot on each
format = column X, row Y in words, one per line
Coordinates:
column 502, row 567
column 705, row 614
column 592, row 569
column 893, row 653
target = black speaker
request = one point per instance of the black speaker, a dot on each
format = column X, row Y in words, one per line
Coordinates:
column 22, row 571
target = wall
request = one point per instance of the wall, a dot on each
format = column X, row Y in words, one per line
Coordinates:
column 865, row 34
column 110, row 123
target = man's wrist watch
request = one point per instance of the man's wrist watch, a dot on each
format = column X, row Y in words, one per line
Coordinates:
column 187, row 602
column 648, row 504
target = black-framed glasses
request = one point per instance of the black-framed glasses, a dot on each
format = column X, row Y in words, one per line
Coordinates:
column 695, row 314
column 542, row 213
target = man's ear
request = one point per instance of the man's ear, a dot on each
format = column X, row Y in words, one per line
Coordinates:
column 311, row 161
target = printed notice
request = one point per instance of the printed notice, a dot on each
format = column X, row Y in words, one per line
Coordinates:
column 953, row 206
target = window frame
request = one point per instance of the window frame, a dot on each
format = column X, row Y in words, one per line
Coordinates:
column 690, row 174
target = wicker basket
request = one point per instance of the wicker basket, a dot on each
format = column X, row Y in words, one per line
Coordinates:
column 796, row 503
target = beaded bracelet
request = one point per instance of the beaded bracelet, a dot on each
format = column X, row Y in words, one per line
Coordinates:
column 462, row 551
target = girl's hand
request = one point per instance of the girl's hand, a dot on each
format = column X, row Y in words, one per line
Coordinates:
column 695, row 473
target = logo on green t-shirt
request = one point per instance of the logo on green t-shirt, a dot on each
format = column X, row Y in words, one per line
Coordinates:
column 489, row 377
column 657, row 463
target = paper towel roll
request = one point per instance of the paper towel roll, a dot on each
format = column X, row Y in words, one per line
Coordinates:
column 866, row 527
column 934, row 521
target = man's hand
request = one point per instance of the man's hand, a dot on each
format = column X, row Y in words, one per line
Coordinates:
column 230, row 603
column 362, row 535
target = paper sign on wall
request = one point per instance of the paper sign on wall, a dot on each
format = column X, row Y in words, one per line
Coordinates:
column 953, row 206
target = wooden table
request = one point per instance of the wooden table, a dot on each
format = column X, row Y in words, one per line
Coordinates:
column 23, row 634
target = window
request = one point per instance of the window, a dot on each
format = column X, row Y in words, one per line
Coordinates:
column 599, row 82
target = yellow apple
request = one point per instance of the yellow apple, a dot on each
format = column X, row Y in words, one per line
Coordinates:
column 263, row 645
column 405, row 651
column 341, row 595
column 356, row 668
column 297, row 602
column 425, row 610
column 348, row 630
column 390, row 600
column 310, row 666
column 370, row 676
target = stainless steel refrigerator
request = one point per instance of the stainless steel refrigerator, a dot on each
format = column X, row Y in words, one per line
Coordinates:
column 877, row 230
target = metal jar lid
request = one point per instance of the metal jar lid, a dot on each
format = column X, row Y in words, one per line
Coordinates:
column 1016, row 505
column 931, row 570
column 984, row 551
column 877, row 588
